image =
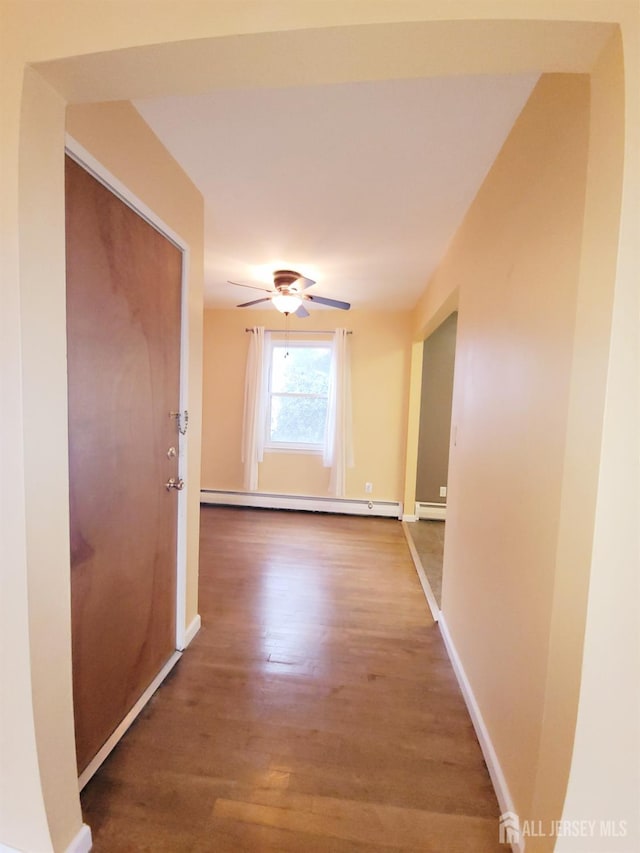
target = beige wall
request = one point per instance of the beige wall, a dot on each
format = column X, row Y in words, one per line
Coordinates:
column 517, row 260
column 584, row 426
column 472, row 39
column 436, row 398
column 49, row 707
column 534, row 307
column 602, row 569
column 380, row 352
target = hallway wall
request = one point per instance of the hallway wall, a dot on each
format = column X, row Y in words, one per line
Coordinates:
column 518, row 258
column 517, row 265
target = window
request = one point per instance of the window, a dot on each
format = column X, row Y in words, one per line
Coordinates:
column 298, row 388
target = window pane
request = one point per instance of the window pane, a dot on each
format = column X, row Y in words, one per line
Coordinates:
column 302, row 370
column 298, row 420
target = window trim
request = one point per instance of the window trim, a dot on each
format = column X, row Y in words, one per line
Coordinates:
column 289, row 446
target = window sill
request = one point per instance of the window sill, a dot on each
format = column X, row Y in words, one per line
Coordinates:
column 307, row 450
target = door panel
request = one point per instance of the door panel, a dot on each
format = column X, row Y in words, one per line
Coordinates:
column 123, row 336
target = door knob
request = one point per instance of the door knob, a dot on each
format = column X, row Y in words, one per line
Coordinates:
column 172, row 483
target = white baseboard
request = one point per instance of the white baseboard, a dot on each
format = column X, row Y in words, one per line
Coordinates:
column 191, row 630
column 265, row 500
column 409, row 518
column 82, row 843
column 424, row 580
column 431, row 511
column 505, row 801
column 112, row 742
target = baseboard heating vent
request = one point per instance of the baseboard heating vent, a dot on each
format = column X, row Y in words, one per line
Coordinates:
column 264, row 500
column 431, row 511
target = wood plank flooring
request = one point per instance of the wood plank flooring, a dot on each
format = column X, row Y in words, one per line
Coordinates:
column 316, row 710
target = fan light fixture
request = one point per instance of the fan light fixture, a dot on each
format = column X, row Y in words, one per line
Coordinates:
column 286, row 303
column 286, row 295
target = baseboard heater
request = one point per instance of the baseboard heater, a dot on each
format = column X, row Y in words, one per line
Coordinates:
column 264, row 500
column 431, row 511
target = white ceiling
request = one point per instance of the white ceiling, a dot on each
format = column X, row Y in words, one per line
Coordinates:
column 360, row 186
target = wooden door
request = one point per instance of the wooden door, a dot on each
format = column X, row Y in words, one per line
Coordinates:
column 123, row 334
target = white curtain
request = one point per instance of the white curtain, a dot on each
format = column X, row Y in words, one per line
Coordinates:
column 338, row 445
column 253, row 425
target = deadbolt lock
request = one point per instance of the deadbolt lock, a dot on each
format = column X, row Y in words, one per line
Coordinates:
column 171, row 453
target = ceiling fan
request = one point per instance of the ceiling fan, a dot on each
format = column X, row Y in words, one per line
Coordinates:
column 287, row 295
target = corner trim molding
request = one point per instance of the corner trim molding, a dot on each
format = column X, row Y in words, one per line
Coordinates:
column 422, row 576
column 112, row 742
column 498, row 780
column 191, row 630
column 307, row 503
column 82, row 843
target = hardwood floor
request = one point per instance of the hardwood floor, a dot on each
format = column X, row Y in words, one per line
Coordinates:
column 316, row 710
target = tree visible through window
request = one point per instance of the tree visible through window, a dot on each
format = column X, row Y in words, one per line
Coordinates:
column 298, row 392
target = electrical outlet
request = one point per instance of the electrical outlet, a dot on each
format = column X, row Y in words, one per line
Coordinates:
column 443, row 491
column 368, row 487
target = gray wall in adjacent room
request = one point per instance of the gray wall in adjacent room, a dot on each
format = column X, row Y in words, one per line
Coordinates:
column 435, row 411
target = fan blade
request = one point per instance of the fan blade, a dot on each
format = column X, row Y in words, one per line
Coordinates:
column 301, row 312
column 334, row 303
column 254, row 302
column 253, row 286
column 302, row 283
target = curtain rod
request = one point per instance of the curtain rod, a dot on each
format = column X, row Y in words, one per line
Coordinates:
column 303, row 331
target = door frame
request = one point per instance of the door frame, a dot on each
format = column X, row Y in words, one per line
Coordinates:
column 81, row 156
